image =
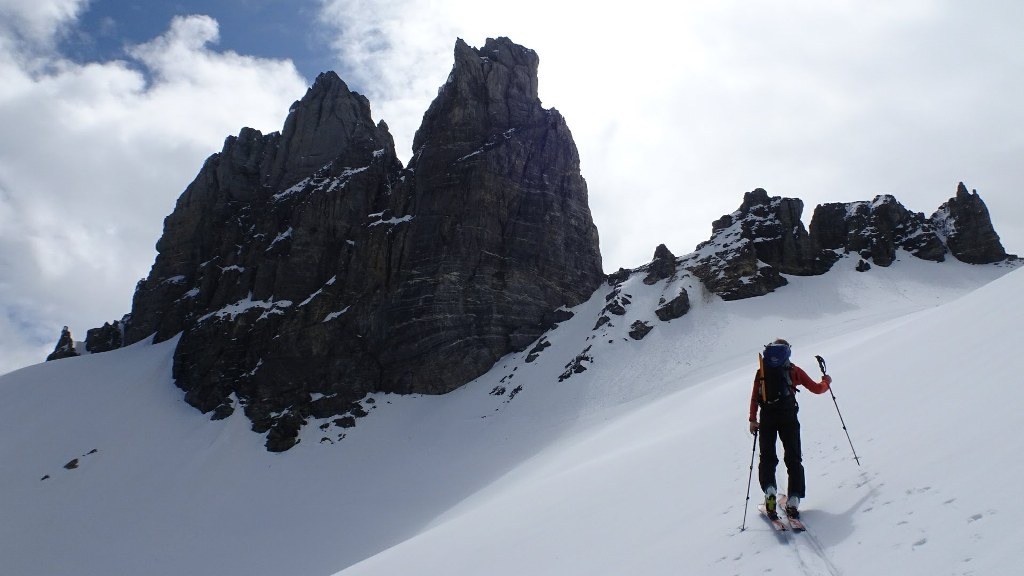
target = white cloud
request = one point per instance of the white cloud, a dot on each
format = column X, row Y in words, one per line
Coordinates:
column 679, row 109
column 94, row 158
column 37, row 21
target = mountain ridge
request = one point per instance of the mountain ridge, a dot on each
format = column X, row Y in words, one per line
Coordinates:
column 307, row 268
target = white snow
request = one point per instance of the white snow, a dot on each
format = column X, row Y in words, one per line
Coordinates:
column 320, row 182
column 294, row 189
column 318, row 292
column 349, row 172
column 280, row 238
column 390, row 221
column 638, row 465
column 853, row 208
column 470, row 155
column 334, row 315
column 242, row 306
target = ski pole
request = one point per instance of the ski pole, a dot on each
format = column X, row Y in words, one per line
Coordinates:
column 821, row 364
column 749, row 478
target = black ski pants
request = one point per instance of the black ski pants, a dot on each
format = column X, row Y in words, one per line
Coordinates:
column 779, row 421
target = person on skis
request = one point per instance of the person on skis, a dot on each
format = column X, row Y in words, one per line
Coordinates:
column 774, row 393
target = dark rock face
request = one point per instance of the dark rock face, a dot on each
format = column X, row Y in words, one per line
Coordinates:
column 616, row 304
column 258, row 226
column 108, row 337
column 639, row 329
column 502, row 231
column 65, row 346
column 674, row 308
column 619, row 276
column 662, row 267
column 965, row 224
column 307, row 268
column 875, row 230
column 751, row 248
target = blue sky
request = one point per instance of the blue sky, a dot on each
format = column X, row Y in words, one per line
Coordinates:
column 264, row 28
column 110, row 108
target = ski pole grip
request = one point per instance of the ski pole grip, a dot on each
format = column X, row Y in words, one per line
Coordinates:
column 821, row 364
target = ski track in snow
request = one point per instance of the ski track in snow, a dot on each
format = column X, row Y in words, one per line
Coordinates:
column 812, row 556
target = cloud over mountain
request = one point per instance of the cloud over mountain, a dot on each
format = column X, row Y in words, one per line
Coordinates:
column 95, row 154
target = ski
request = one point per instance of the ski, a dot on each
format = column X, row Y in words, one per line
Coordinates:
column 795, row 523
column 777, row 524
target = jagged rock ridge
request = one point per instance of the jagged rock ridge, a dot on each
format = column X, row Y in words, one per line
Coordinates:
column 751, row 250
column 307, row 268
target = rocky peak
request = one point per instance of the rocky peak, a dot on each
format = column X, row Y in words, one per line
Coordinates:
column 489, row 91
column 330, row 123
column 964, row 223
column 307, row 268
column 662, row 266
column 244, row 200
column 65, row 346
column 108, row 337
column 500, row 219
column 751, row 248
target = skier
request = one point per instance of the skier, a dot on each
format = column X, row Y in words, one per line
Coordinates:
column 775, row 387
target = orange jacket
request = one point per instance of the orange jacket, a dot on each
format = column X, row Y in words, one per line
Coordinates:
column 797, row 376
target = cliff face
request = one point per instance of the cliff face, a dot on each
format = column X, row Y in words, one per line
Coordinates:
column 307, row 268
column 875, row 230
column 963, row 221
column 500, row 232
column 262, row 221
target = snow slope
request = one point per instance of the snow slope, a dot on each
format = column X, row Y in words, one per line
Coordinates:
column 637, row 465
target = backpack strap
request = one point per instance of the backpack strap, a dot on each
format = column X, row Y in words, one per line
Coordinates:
column 760, row 378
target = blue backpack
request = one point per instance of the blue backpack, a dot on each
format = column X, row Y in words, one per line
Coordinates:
column 775, row 381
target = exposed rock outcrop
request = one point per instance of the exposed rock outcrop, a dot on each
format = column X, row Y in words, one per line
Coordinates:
column 639, row 329
column 875, row 230
column 662, row 267
column 674, row 308
column 751, row 248
column 965, row 224
column 307, row 268
column 65, row 346
column 108, row 337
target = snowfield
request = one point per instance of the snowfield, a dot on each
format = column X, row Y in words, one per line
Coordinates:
column 637, row 464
